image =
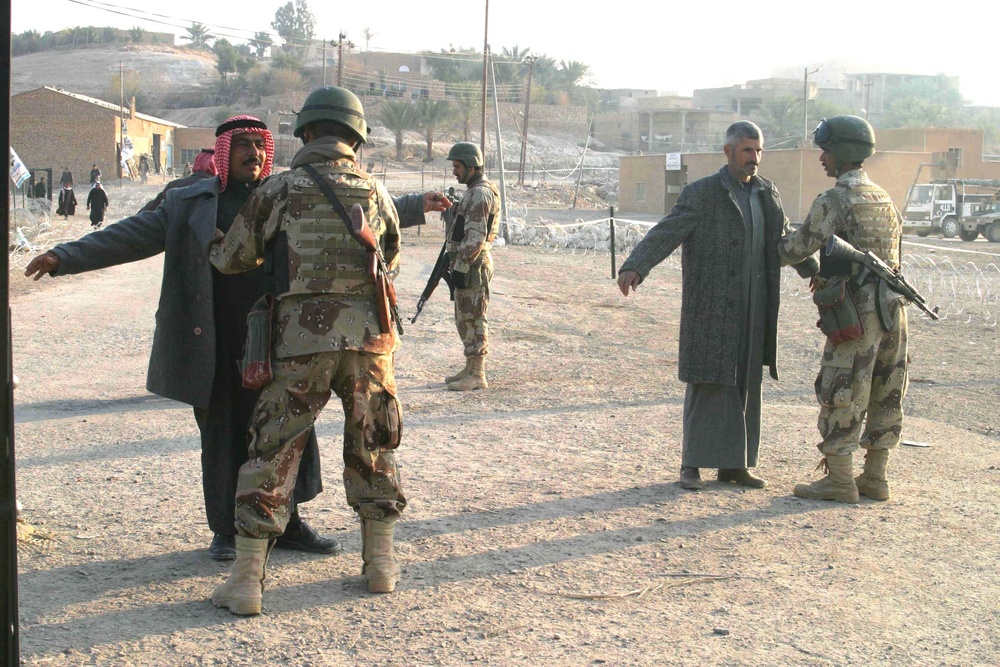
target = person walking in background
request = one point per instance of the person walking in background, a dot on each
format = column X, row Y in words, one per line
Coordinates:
column 729, row 224
column 67, row 177
column 95, row 174
column 97, row 203
column 862, row 376
column 67, row 201
column 41, row 189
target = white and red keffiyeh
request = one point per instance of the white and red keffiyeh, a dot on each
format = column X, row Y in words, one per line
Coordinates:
column 224, row 138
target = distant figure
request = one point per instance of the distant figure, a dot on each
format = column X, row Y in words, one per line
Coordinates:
column 67, row 177
column 41, row 189
column 97, row 202
column 187, row 168
column 95, row 175
column 144, row 168
column 67, row 201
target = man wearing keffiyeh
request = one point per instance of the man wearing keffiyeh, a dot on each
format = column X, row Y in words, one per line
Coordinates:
column 201, row 320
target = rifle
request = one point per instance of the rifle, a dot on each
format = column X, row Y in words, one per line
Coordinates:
column 439, row 273
column 838, row 248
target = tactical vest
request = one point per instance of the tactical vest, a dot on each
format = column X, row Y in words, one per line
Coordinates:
column 323, row 258
column 870, row 222
column 456, row 232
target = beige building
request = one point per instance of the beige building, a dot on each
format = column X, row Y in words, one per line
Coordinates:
column 662, row 124
column 57, row 129
column 647, row 186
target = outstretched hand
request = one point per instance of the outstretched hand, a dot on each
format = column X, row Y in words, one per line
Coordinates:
column 43, row 264
column 628, row 279
column 435, row 202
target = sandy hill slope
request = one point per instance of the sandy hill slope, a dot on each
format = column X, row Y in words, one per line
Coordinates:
column 162, row 69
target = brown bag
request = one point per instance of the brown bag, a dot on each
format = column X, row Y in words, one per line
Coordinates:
column 255, row 367
column 839, row 318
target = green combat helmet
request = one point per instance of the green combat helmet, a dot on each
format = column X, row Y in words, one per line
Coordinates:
column 847, row 138
column 337, row 104
column 467, row 153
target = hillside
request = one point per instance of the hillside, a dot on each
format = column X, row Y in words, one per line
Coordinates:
column 163, row 70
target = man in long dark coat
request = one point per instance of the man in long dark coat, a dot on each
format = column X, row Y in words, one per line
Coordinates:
column 729, row 224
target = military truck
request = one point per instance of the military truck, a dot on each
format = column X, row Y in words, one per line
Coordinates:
column 951, row 207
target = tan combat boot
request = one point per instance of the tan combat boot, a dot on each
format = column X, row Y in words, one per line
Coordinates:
column 873, row 482
column 376, row 551
column 475, row 378
column 837, row 485
column 243, row 592
column 461, row 374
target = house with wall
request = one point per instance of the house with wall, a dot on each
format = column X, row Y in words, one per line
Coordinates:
column 57, row 129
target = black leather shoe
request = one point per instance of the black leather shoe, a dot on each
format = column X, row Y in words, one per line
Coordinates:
column 300, row 536
column 741, row 476
column 223, row 547
column 691, row 479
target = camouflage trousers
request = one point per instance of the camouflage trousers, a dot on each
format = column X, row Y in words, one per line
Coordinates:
column 861, row 383
column 280, row 426
column 470, row 313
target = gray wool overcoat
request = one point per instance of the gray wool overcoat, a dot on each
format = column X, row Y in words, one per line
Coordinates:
column 708, row 222
column 182, row 361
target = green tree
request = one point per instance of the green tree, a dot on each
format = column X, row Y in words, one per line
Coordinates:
column 398, row 116
column 924, row 102
column 261, row 40
column 456, row 66
column 434, row 118
column 287, row 60
column 136, row 34
column 133, row 87
column 295, row 24
column 109, row 35
column 226, row 59
column 199, row 36
column 780, row 119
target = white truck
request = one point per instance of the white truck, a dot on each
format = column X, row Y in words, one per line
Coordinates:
column 954, row 207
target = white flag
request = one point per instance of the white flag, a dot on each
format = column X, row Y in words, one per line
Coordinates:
column 18, row 172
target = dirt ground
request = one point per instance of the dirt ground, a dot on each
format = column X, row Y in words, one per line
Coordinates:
column 544, row 526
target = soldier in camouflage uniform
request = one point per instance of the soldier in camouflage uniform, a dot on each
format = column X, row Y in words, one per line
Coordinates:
column 861, row 383
column 326, row 336
column 470, row 233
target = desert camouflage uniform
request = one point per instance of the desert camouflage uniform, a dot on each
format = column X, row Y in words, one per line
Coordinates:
column 469, row 252
column 866, row 376
column 325, row 336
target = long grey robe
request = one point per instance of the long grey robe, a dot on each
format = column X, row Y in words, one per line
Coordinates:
column 722, row 422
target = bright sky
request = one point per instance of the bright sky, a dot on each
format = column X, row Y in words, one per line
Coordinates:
column 666, row 46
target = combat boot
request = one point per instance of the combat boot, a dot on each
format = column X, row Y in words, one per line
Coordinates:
column 243, row 592
column 873, row 482
column 461, row 374
column 837, row 485
column 376, row 551
column 475, row 378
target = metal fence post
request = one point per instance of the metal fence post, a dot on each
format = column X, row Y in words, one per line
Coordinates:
column 611, row 223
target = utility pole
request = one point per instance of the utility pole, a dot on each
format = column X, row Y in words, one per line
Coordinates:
column 324, row 63
column 340, row 57
column 805, row 102
column 10, row 648
column 524, row 137
column 121, row 109
column 868, row 89
column 486, row 52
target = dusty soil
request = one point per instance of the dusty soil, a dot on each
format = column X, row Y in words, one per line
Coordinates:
column 545, row 525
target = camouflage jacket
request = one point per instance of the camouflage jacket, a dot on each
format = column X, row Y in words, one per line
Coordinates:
column 826, row 219
column 480, row 202
column 340, row 314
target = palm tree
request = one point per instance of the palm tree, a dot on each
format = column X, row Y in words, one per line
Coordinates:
column 261, row 40
column 198, row 35
column 136, row 34
column 398, row 116
column 779, row 118
column 433, row 120
column 368, row 33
